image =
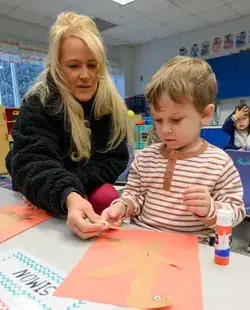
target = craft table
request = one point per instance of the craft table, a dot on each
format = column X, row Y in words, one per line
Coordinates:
column 51, row 241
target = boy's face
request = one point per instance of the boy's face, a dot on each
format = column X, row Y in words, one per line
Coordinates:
column 178, row 125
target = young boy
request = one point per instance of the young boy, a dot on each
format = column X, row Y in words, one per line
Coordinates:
column 179, row 184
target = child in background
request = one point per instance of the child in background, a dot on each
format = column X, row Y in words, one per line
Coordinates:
column 237, row 126
column 179, row 184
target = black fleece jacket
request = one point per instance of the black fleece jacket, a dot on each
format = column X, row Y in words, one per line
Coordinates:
column 40, row 163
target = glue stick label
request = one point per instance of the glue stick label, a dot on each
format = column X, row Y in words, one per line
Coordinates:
column 223, row 242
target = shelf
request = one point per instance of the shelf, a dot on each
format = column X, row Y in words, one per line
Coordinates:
column 11, row 122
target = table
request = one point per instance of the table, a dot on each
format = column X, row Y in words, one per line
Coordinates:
column 223, row 287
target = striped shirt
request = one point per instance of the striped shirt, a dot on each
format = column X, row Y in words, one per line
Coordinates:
column 158, row 178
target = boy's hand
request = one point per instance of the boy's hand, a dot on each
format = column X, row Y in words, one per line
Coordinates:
column 114, row 214
column 197, row 200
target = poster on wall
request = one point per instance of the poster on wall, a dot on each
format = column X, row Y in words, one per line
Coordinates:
column 205, row 48
column 228, row 41
column 240, row 40
column 183, row 51
column 217, row 45
column 194, row 51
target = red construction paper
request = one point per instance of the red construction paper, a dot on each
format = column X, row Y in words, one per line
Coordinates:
column 105, row 275
column 15, row 219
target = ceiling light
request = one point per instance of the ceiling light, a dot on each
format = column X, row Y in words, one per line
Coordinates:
column 124, row 2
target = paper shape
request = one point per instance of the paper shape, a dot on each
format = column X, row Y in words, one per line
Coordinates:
column 28, row 283
column 194, row 51
column 110, row 225
column 183, row 51
column 15, row 219
column 240, row 40
column 217, row 44
column 205, row 48
column 228, row 41
column 138, row 269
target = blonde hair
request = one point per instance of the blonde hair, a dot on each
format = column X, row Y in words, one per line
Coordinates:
column 183, row 77
column 107, row 99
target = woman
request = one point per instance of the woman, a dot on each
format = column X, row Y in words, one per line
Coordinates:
column 70, row 137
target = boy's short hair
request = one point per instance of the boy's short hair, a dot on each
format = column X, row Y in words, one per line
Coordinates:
column 183, row 77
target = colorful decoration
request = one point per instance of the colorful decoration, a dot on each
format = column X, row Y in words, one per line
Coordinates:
column 228, row 41
column 205, row 48
column 194, row 51
column 240, row 41
column 15, row 115
column 183, row 51
column 217, row 45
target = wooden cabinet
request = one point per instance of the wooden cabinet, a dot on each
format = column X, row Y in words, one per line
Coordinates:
column 2, row 115
column 8, row 118
column 4, row 140
column 4, row 147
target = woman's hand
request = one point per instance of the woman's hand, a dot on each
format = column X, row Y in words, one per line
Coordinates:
column 79, row 209
column 240, row 113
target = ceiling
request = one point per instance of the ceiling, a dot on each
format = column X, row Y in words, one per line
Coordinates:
column 136, row 23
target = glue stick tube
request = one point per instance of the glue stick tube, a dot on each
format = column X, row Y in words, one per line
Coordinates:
column 223, row 237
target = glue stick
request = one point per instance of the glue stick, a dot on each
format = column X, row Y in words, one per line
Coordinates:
column 223, row 237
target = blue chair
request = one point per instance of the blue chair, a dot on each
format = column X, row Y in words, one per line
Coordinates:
column 241, row 161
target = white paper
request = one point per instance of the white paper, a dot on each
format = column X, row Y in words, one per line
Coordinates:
column 26, row 282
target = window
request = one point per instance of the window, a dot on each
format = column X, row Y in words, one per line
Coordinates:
column 15, row 80
column 117, row 77
column 26, row 75
column 7, row 97
column 20, row 64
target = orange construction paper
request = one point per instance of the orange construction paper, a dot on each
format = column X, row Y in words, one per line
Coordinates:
column 15, row 219
column 138, row 269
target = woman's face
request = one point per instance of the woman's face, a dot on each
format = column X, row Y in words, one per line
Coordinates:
column 80, row 69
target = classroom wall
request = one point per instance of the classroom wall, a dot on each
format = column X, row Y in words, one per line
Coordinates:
column 11, row 28
column 127, row 61
column 149, row 58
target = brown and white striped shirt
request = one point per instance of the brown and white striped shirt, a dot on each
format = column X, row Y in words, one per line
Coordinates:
column 158, row 178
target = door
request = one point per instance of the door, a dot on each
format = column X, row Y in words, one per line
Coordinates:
column 4, row 147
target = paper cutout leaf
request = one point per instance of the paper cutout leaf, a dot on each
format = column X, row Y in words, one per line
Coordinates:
column 109, row 271
column 144, row 261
